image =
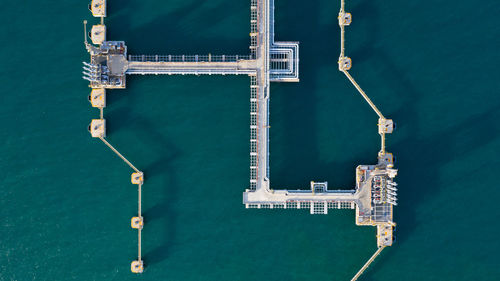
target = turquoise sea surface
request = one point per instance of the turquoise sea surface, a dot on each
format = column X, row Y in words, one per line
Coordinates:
column 66, row 199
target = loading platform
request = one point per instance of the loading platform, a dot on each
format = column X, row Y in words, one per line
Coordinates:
column 374, row 194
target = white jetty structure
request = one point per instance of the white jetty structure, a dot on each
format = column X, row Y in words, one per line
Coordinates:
column 374, row 194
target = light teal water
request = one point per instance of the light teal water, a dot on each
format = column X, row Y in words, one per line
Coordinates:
column 67, row 201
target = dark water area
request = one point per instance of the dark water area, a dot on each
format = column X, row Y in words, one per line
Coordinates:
column 67, row 199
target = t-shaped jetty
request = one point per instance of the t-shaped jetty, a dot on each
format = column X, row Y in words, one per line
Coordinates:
column 374, row 193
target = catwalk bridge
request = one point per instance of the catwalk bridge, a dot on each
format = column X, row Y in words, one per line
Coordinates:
column 374, row 195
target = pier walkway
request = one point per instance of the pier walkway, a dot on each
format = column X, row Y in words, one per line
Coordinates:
column 365, row 266
column 374, row 193
column 162, row 65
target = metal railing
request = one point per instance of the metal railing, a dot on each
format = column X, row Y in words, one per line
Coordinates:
column 284, row 62
column 254, row 143
column 318, row 205
column 254, row 27
column 187, row 58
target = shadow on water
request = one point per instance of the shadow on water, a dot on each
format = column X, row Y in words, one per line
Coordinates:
column 424, row 154
column 420, row 156
column 114, row 7
column 320, row 44
column 300, row 111
column 170, row 39
column 172, row 33
column 160, row 169
column 420, row 182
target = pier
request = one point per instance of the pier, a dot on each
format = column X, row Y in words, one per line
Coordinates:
column 374, row 193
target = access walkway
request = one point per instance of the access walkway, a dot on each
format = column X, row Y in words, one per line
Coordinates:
column 201, row 67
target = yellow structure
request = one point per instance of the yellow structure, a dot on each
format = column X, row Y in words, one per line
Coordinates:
column 137, row 222
column 97, row 128
column 385, row 126
column 386, row 157
column 98, row 34
column 137, row 266
column 98, row 98
column 345, row 63
column 98, row 8
column 345, row 19
column 137, row 178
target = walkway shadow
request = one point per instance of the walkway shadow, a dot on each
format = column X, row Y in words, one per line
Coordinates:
column 170, row 33
column 412, row 151
column 420, row 156
column 171, row 40
column 163, row 169
column 420, row 180
column 159, row 169
column 419, row 184
column 299, row 100
column 114, row 7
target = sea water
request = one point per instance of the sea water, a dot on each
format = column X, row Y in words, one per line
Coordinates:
column 67, row 200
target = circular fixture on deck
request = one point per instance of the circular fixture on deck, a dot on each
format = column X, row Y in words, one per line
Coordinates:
column 137, row 266
column 345, row 63
column 137, row 178
column 345, row 19
column 137, row 222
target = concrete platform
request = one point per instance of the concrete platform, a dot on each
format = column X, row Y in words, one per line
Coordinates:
column 98, row 98
column 97, row 128
column 98, row 8
column 98, row 34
